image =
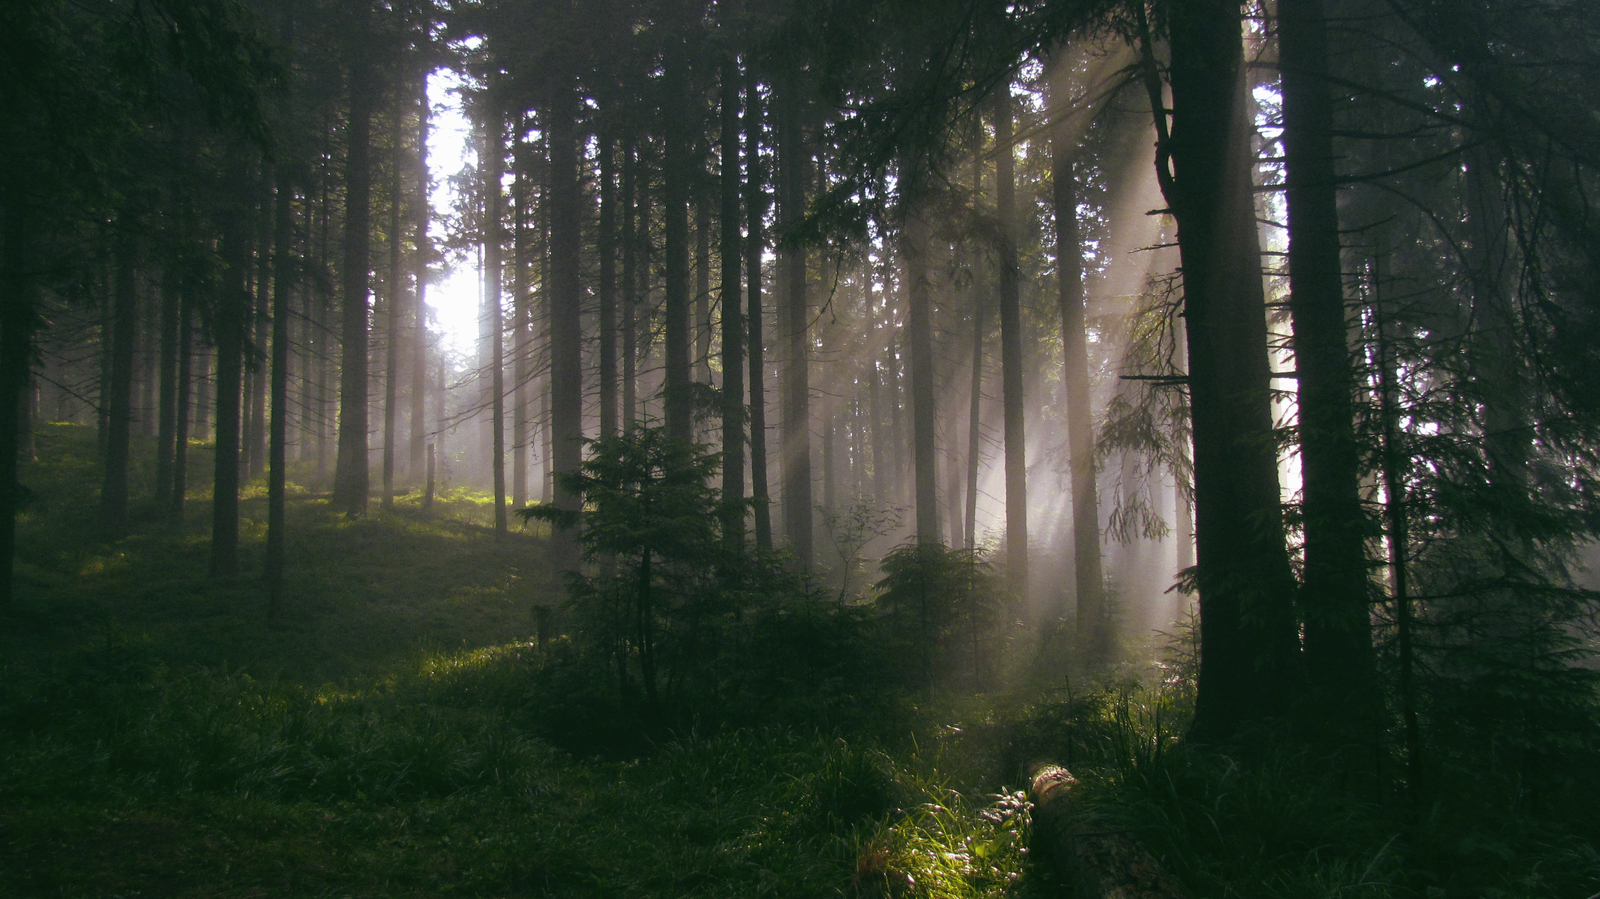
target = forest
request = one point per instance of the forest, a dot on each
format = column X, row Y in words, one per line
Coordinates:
column 759, row 447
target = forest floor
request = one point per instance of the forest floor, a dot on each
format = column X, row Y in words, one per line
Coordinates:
column 159, row 736
column 398, row 732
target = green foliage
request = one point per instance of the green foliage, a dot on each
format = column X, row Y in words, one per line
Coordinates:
column 643, row 494
column 941, row 607
column 430, row 782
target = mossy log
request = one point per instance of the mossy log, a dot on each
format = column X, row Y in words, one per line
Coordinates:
column 1098, row 862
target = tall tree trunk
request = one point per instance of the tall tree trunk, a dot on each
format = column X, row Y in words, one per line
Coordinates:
column 394, row 317
column 256, row 422
column 521, row 324
column 166, row 393
column 351, row 476
column 566, row 297
column 755, row 211
column 975, row 411
column 1094, row 636
column 677, row 172
column 231, row 322
column 733, row 328
column 919, row 342
column 975, row 399
column 546, row 285
column 118, row 395
column 702, row 288
column 1338, row 630
column 1011, row 350
column 1249, row 647
column 793, row 156
column 419, row 309
column 607, row 245
column 322, row 315
column 180, row 436
column 494, row 223
column 18, row 320
column 630, row 288
column 282, row 275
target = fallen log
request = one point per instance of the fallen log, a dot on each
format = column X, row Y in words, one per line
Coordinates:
column 1098, row 862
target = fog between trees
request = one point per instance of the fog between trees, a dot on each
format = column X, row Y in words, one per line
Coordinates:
column 1285, row 305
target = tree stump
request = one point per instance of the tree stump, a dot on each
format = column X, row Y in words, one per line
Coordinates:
column 1097, row 863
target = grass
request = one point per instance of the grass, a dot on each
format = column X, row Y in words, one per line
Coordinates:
column 388, row 735
column 398, row 732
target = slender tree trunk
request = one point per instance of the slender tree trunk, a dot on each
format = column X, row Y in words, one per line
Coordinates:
column 793, row 156
column 607, row 245
column 256, row 423
column 755, row 211
column 702, row 288
column 166, row 393
column 919, row 341
column 392, row 328
column 677, row 171
column 733, row 328
column 975, row 412
column 1094, row 636
column 521, row 325
column 351, row 475
column 118, row 397
column 1396, row 463
column 546, row 285
column 1011, row 350
column 975, row 399
column 494, row 222
column 1249, row 646
column 282, row 276
column 630, row 290
column 419, row 310
column 180, row 438
column 394, row 319
column 18, row 304
column 566, row 296
column 322, row 315
column 1338, row 630
column 231, row 322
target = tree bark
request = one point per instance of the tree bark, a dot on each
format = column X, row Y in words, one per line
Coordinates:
column 702, row 288
column 351, row 475
column 793, row 157
column 256, row 421
column 607, row 245
column 118, row 391
column 733, row 327
column 1097, row 862
column 166, row 393
column 1338, row 630
column 419, row 310
column 1249, row 645
column 755, row 209
column 493, row 244
column 677, row 171
column 1094, row 638
column 919, row 342
column 18, row 321
column 630, row 288
column 277, row 442
column 521, row 323
column 565, row 297
column 231, row 321
column 185, row 381
column 1011, row 350
column 392, row 328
